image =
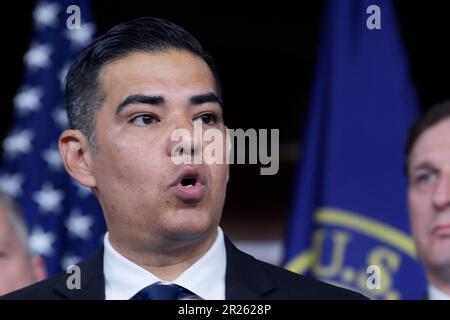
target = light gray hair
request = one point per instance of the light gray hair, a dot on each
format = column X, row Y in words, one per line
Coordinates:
column 17, row 220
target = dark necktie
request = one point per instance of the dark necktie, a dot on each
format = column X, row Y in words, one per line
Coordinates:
column 159, row 291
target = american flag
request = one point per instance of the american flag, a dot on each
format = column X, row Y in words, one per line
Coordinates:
column 64, row 218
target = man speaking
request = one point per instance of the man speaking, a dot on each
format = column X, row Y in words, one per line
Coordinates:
column 126, row 94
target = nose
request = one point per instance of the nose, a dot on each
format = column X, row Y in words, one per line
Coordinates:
column 441, row 195
column 185, row 141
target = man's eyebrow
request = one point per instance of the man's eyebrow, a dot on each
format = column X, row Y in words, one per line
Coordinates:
column 205, row 98
column 140, row 99
column 422, row 166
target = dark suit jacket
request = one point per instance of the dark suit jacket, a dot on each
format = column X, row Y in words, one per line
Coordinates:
column 246, row 278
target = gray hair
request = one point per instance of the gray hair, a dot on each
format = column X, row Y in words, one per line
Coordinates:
column 17, row 220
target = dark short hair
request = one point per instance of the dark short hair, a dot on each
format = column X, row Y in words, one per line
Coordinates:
column 146, row 34
column 430, row 118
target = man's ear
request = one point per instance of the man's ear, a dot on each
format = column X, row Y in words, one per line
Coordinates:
column 77, row 156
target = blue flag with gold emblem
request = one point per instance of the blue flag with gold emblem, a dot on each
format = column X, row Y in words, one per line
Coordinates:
column 349, row 224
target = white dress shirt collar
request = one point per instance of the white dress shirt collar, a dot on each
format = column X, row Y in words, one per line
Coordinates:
column 436, row 294
column 205, row 278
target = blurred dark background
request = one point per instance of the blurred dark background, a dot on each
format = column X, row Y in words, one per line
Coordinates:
column 266, row 58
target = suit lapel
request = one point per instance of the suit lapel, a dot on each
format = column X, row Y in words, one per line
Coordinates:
column 245, row 277
column 92, row 280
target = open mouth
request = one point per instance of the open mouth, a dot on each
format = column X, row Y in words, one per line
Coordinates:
column 190, row 185
column 189, row 182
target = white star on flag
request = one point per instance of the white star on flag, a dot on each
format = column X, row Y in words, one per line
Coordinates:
column 38, row 56
column 83, row 36
column 12, row 184
column 59, row 115
column 53, row 158
column 79, row 224
column 83, row 191
column 27, row 100
column 68, row 260
column 45, row 14
column 41, row 242
column 48, row 199
column 19, row 142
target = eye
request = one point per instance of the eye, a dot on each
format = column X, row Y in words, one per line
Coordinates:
column 208, row 118
column 143, row 120
column 424, row 177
